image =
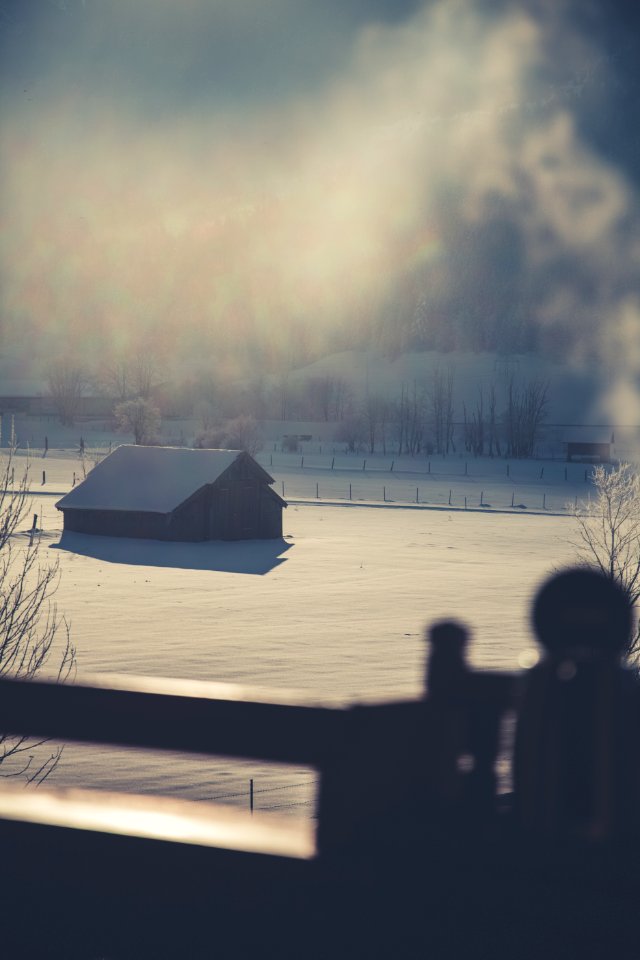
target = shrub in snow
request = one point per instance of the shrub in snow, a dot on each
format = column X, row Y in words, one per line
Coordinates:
column 242, row 433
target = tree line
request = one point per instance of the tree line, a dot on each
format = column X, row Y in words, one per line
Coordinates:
column 426, row 415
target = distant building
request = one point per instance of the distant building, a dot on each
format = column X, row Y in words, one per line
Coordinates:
column 591, row 450
column 173, row 493
column 33, row 398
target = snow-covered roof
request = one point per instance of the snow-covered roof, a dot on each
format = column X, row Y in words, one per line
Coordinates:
column 151, row 479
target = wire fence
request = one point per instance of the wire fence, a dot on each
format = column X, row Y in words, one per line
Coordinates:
column 436, row 467
column 499, row 497
column 251, row 793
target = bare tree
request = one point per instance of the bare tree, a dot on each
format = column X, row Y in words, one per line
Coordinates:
column 478, row 425
column 439, row 398
column 320, row 392
column 34, row 638
column 413, row 417
column 608, row 528
column 436, row 405
column 342, row 398
column 145, row 373
column 493, row 439
column 402, row 417
column 376, row 417
column 352, row 431
column 284, row 389
column 67, row 381
column 207, row 413
column 526, row 412
column 140, row 417
column 116, row 378
column 448, row 410
column 327, row 397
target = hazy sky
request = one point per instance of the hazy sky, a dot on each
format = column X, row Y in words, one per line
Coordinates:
column 228, row 165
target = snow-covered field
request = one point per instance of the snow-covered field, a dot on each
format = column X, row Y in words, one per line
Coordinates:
column 338, row 609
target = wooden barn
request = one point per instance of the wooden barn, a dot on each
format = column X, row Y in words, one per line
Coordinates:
column 591, row 448
column 173, row 493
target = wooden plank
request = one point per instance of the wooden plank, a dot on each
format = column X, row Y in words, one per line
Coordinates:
column 209, row 718
column 160, row 818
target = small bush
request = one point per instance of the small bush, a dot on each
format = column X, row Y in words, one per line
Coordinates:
column 242, row 433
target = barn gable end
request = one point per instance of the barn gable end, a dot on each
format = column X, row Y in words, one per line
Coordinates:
column 168, row 493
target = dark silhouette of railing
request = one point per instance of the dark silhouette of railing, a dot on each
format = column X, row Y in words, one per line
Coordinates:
column 415, row 852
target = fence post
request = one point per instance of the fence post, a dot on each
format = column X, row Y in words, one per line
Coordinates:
column 391, row 468
column 429, row 470
column 33, row 529
column 417, row 495
column 332, row 462
column 44, row 477
column 301, row 462
column 449, row 497
column 251, row 796
column 507, row 469
column 465, row 503
column 384, row 494
column 481, row 498
column 541, row 473
column 446, row 681
column 512, row 498
column 544, row 501
column 364, row 464
column 349, row 491
column 283, row 488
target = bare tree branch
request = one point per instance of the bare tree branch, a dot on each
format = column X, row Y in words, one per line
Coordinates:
column 34, row 638
column 608, row 532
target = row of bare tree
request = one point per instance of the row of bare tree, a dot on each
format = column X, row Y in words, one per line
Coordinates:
column 423, row 419
column 505, row 418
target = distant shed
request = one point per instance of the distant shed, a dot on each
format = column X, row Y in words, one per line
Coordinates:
column 590, row 450
column 173, row 493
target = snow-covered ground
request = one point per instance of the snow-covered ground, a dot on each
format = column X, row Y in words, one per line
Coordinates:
column 458, row 482
column 338, row 609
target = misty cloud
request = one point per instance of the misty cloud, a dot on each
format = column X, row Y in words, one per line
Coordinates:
column 294, row 175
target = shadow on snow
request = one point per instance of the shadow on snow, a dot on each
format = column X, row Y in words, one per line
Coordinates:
column 255, row 557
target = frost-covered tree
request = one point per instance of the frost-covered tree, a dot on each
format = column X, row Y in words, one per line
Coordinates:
column 608, row 529
column 241, row 433
column 34, row 638
column 140, row 417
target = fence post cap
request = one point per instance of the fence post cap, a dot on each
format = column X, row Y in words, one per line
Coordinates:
column 447, row 636
column 582, row 609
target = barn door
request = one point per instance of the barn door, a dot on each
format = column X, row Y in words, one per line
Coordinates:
column 248, row 512
column 235, row 512
column 219, row 516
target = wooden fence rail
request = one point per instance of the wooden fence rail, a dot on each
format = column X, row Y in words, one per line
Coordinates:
column 412, row 833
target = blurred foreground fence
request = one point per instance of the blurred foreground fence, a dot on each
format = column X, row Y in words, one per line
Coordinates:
column 415, row 852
